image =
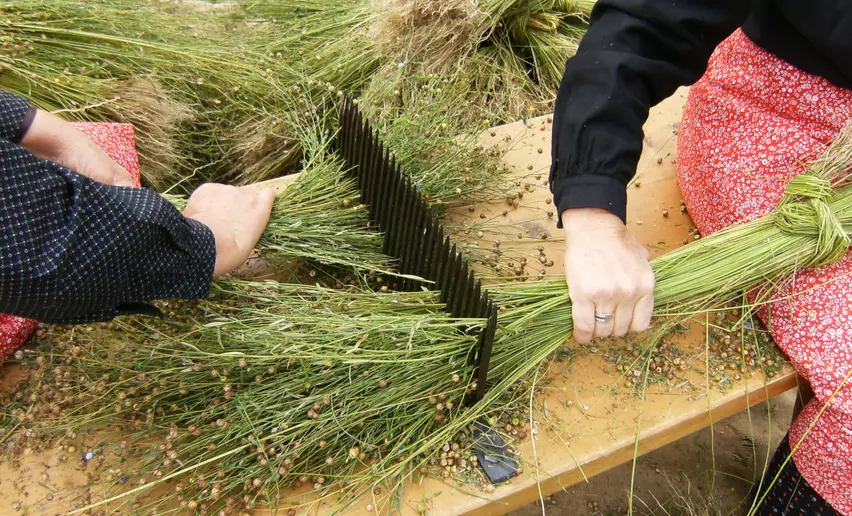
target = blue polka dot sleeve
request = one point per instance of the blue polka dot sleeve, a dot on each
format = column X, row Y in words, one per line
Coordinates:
column 15, row 117
column 76, row 251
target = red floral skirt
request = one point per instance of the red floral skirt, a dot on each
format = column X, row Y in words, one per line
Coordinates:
column 119, row 142
column 751, row 124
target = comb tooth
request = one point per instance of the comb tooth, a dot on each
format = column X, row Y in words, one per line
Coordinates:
column 347, row 131
column 367, row 194
column 487, row 340
column 453, row 286
column 461, row 284
column 446, row 283
column 375, row 165
column 477, row 307
column 424, row 240
column 435, row 245
column 404, row 226
column 413, row 231
column 403, row 223
column 372, row 187
column 379, row 187
column 387, row 192
column 467, row 289
column 421, row 244
column 343, row 135
column 365, row 158
column 364, row 150
column 399, row 200
column 461, row 281
column 443, row 261
column 379, row 192
column 467, row 294
column 358, row 143
column 352, row 139
column 391, row 215
column 365, row 177
column 363, row 147
column 368, row 149
column 413, row 236
column 368, row 175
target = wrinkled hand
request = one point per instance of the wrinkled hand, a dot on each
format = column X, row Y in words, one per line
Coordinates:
column 608, row 272
column 54, row 139
column 237, row 218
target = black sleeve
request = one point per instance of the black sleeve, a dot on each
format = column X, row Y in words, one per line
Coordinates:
column 635, row 54
column 16, row 116
column 75, row 251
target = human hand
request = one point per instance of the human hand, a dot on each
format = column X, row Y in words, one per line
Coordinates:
column 608, row 273
column 50, row 137
column 237, row 218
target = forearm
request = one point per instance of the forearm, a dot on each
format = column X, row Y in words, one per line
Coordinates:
column 49, row 136
column 79, row 251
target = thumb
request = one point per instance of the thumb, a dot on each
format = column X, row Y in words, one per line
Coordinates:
column 266, row 198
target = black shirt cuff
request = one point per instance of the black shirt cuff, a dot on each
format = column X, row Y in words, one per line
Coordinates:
column 591, row 191
column 26, row 123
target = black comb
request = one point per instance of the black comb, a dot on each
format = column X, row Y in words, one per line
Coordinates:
column 413, row 235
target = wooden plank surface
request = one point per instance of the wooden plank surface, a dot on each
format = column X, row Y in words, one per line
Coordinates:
column 586, row 419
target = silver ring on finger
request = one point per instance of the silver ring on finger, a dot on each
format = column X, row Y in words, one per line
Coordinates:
column 603, row 318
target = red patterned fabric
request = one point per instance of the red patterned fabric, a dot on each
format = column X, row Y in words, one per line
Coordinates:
column 119, row 142
column 750, row 125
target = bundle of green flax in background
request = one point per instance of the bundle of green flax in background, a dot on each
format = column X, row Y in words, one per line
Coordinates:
column 80, row 56
column 508, row 53
column 207, row 106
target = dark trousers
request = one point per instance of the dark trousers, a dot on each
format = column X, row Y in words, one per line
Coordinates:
column 789, row 494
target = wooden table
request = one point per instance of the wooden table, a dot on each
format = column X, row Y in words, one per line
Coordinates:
column 586, row 419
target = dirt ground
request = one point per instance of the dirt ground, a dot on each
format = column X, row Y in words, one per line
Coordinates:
column 678, row 479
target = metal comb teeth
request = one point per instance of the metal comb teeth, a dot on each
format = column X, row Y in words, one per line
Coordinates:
column 413, row 235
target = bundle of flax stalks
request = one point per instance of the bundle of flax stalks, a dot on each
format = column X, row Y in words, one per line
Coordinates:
column 809, row 227
column 318, row 217
column 261, row 388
